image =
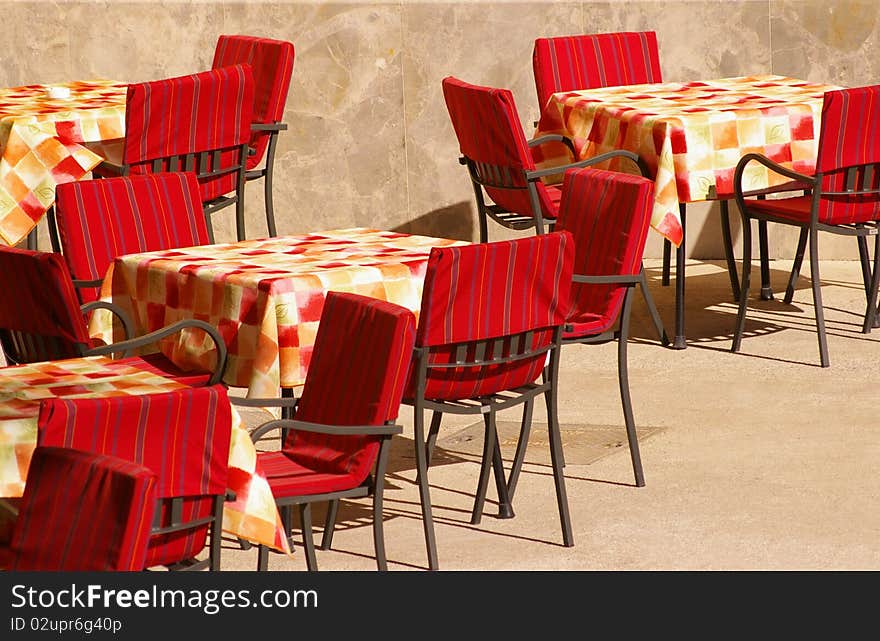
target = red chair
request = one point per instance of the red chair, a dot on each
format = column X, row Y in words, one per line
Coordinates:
column 183, row 436
column 490, row 325
column 569, row 63
column 201, row 123
column 338, row 441
column 608, row 214
column 82, row 512
column 272, row 64
column 41, row 320
column 98, row 220
column 499, row 159
column 845, row 200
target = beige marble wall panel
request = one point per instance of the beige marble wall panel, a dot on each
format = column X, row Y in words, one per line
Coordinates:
column 342, row 162
column 36, row 43
column 482, row 43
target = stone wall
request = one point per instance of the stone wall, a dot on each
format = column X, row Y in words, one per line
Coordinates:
column 370, row 143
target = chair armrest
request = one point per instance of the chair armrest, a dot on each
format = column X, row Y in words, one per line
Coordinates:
column 124, row 319
column 341, row 430
column 535, row 174
column 268, row 126
column 565, row 140
column 284, row 401
column 809, row 181
column 127, row 346
column 618, row 279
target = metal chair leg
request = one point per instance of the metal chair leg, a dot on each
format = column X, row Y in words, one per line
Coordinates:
column 871, row 305
column 652, row 308
column 505, row 505
column 378, row 524
column 626, row 400
column 727, row 241
column 796, row 265
column 436, row 418
column 817, row 297
column 667, row 262
column 262, row 558
column 865, row 262
column 556, row 457
column 329, row 524
column 424, row 490
column 485, row 466
column 744, row 287
column 679, row 342
column 518, row 459
column 305, row 513
column 764, row 257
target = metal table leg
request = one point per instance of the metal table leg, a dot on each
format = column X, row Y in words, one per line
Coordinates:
column 763, row 249
column 679, row 342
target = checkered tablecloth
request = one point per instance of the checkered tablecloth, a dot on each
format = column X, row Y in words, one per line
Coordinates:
column 40, row 145
column 265, row 296
column 252, row 516
column 691, row 135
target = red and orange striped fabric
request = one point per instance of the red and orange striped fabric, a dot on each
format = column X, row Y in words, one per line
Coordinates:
column 99, row 220
column 489, row 131
column 272, row 65
column 41, row 145
column 83, row 511
column 567, row 63
column 493, row 290
column 205, row 111
column 363, row 352
column 183, row 435
column 608, row 215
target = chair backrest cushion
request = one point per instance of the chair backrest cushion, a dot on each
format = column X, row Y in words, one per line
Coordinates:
column 493, row 291
column 849, row 142
column 272, row 65
column 490, row 134
column 569, row 63
column 356, row 376
column 182, row 435
column 83, row 512
column 99, row 220
column 40, row 317
column 608, row 213
column 206, row 111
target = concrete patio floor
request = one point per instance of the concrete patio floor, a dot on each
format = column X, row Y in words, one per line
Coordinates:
column 756, row 460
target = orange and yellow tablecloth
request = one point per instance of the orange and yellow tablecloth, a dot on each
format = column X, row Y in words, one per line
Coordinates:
column 265, row 296
column 252, row 516
column 691, row 135
column 40, row 145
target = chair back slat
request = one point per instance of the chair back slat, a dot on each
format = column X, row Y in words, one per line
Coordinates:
column 483, row 292
column 374, row 340
column 849, row 149
column 272, row 65
column 608, row 213
column 491, row 137
column 83, row 512
column 99, row 220
column 40, row 317
column 569, row 63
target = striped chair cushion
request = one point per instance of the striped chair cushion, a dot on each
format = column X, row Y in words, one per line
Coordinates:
column 182, row 435
column 848, row 138
column 39, row 316
column 272, row 64
column 608, row 214
column 489, row 131
column 83, row 512
column 568, row 63
column 357, row 374
column 493, row 290
column 188, row 114
column 99, row 220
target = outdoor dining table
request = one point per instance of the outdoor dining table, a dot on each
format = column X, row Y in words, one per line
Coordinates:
column 265, row 296
column 252, row 516
column 42, row 144
column 690, row 136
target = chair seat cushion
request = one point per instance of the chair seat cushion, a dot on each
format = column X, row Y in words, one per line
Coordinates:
column 796, row 209
column 586, row 324
column 288, row 477
column 159, row 364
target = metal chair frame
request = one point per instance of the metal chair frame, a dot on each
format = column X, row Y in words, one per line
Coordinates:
column 809, row 233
